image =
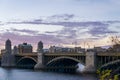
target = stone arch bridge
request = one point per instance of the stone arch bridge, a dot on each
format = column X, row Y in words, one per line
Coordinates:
column 65, row 62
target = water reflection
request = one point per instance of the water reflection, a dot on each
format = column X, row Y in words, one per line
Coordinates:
column 23, row 74
column 80, row 67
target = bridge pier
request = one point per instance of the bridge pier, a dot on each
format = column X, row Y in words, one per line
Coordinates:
column 8, row 60
column 40, row 65
column 90, row 62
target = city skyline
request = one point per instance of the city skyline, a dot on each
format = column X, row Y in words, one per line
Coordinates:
column 59, row 22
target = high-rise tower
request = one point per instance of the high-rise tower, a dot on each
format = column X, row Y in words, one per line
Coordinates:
column 40, row 63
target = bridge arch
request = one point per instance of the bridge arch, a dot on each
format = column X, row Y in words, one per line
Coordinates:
column 63, row 64
column 111, row 65
column 64, row 57
column 26, row 62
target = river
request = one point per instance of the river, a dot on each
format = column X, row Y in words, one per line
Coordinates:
column 26, row 74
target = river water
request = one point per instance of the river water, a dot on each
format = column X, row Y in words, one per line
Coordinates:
column 26, row 74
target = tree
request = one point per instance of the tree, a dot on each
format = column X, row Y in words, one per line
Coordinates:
column 115, row 44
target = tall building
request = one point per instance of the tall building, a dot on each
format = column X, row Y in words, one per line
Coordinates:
column 40, row 47
column 25, row 48
column 8, row 47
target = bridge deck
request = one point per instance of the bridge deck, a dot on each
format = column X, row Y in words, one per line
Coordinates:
column 64, row 54
column 27, row 54
column 108, row 54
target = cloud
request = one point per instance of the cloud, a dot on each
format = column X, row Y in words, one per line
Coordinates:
column 113, row 22
column 64, row 31
column 96, row 29
column 62, row 17
column 73, row 28
column 62, row 23
column 101, row 29
column 67, row 33
column 25, row 31
column 47, row 20
column 1, row 23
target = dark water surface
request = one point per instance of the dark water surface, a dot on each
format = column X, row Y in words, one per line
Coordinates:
column 25, row 74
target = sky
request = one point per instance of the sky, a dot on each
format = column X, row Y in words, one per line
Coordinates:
column 66, row 23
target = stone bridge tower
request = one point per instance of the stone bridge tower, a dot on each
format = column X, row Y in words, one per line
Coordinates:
column 8, row 57
column 40, row 64
column 8, row 47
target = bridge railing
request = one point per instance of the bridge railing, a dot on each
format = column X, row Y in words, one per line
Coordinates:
column 108, row 54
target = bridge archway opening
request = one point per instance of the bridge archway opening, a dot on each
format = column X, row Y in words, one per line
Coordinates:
column 26, row 62
column 63, row 64
column 114, row 66
column 111, row 65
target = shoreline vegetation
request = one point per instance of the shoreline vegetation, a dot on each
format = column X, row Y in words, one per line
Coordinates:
column 108, row 75
column 111, row 74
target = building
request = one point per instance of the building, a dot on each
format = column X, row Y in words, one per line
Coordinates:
column 25, row 48
column 79, row 50
column 54, row 49
column 3, row 51
column 99, row 49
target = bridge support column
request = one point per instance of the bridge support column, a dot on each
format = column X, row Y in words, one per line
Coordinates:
column 90, row 62
column 8, row 60
column 40, row 63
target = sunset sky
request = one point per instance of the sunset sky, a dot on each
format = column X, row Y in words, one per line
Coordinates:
column 59, row 22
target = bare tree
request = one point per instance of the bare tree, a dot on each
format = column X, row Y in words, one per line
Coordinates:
column 115, row 40
column 115, row 43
